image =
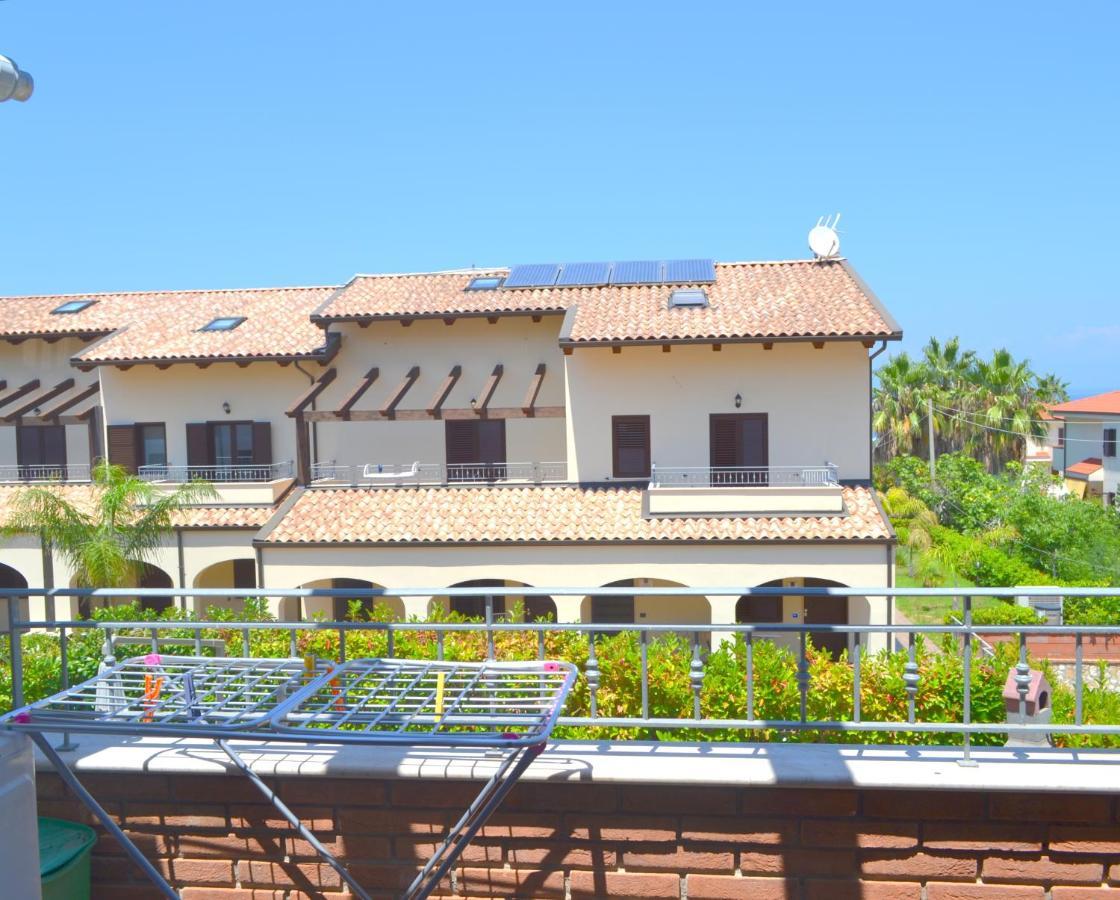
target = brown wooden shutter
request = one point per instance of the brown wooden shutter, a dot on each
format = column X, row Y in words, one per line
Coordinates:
column 723, row 440
column 630, row 446
column 122, row 447
column 244, row 573
column 262, row 443
column 198, row 444
column 492, row 441
column 461, row 440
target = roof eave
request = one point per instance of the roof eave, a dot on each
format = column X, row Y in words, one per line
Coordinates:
column 713, row 339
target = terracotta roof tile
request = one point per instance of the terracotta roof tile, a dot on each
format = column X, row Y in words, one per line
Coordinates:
column 1086, row 467
column 430, row 294
column 26, row 316
column 747, row 300
column 1107, row 404
column 550, row 514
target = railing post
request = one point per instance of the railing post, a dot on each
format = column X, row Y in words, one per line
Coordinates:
column 16, row 649
column 489, row 626
column 696, row 674
column 910, row 678
column 966, row 616
column 592, row 675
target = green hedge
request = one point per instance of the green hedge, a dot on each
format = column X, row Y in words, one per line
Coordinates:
column 1004, row 614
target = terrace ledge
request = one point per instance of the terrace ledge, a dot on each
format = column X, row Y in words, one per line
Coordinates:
column 628, row 762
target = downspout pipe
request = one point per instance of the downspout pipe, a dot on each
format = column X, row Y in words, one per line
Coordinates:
column 314, row 425
column 871, row 406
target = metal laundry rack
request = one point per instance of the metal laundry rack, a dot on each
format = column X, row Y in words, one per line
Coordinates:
column 508, row 707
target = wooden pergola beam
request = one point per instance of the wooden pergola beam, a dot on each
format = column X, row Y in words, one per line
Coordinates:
column 488, row 389
column 534, row 388
column 444, row 389
column 389, row 409
column 70, row 402
column 16, row 393
column 355, row 395
column 38, row 400
column 314, row 390
column 422, row 415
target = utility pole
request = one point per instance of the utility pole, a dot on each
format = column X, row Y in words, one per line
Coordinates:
column 932, row 451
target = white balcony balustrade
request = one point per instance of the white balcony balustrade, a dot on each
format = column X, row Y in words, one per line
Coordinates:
column 418, row 473
column 744, row 490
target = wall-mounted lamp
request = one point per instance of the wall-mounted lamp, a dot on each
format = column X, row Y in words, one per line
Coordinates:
column 474, row 403
column 36, row 411
column 225, row 407
column 738, row 400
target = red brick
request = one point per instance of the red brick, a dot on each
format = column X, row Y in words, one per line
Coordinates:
column 123, row 891
column 565, row 797
column 798, row 863
column 862, row 834
column 937, row 891
column 149, row 844
column 735, row 887
column 1061, row 892
column 128, row 787
column 503, row 882
column 249, row 817
column 624, row 884
column 1041, row 871
column 214, row 789
column 205, row 871
column 561, row 856
column 679, row 799
column 891, row 804
column 479, row 853
column 387, row 876
column 230, row 846
column 798, row 802
column 523, row 825
column 983, row 836
column 186, row 818
column 917, row 866
column 392, row 821
column 739, row 830
column 1084, row 839
column 204, row 893
column 862, row 890
column 301, row 875
column 49, row 786
column 619, row 828
column 355, row 846
column 1051, row 807
column 433, row 792
column 674, row 859
column 345, row 792
column 111, row 869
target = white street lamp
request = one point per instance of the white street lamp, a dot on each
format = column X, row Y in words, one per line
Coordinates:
column 14, row 83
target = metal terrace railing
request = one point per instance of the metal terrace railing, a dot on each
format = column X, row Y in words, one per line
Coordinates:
column 67, row 472
column 401, row 474
column 223, row 473
column 954, row 716
column 744, row 476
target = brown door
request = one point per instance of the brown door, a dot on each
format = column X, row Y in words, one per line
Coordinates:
column 827, row 611
column 476, row 450
column 739, row 448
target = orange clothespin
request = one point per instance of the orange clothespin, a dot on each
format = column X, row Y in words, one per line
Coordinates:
column 152, row 688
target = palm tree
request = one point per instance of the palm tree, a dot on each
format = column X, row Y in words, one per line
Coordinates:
column 1004, row 406
column 899, row 404
column 948, row 368
column 913, row 521
column 108, row 537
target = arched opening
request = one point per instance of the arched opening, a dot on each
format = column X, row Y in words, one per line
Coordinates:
column 230, row 573
column 807, row 610
column 645, row 609
column 149, row 576
column 336, row 609
column 11, row 579
column 474, row 605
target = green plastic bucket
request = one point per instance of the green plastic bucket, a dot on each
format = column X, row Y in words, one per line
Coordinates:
column 64, row 850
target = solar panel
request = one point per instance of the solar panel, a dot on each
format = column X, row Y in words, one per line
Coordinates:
column 585, row 273
column 689, row 271
column 532, row 275
column 636, row 272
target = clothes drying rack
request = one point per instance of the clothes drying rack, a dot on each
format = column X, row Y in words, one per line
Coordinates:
column 509, row 708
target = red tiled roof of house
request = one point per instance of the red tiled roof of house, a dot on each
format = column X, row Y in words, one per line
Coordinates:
column 1085, row 468
column 430, row 294
column 544, row 515
column 1107, row 404
column 794, row 299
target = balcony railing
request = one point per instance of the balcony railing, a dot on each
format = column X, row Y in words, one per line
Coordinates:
column 68, row 472
column 742, row 712
column 219, row 474
column 390, row 474
column 744, row 476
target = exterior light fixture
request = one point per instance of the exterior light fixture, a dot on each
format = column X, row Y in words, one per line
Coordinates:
column 14, row 83
column 225, row 407
column 738, row 400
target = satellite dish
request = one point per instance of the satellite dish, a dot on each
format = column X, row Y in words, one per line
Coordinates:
column 823, row 239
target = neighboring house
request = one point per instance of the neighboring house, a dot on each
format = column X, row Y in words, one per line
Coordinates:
column 1085, row 446
column 633, row 424
column 1040, row 450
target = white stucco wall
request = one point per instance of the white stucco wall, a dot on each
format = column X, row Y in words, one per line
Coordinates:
column 518, row 343
column 1084, row 439
column 817, row 402
column 185, row 393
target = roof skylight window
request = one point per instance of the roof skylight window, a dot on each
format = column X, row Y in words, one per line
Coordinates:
column 688, row 297
column 225, row 323
column 485, row 283
column 72, row 306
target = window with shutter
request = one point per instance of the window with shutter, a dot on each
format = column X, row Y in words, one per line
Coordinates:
column 476, row 449
column 198, row 449
column 739, row 448
column 122, row 447
column 151, row 444
column 262, row 443
column 630, row 446
column 41, row 451
column 1110, row 442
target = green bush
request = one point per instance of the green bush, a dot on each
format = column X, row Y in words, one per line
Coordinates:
column 1091, row 611
column 1004, row 614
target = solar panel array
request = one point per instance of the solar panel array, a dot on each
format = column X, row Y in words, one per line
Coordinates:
column 595, row 274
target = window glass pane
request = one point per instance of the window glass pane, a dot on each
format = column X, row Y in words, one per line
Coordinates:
column 243, row 441
column 223, row 445
column 153, row 446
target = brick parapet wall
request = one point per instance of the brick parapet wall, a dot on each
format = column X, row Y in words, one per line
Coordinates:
column 218, row 840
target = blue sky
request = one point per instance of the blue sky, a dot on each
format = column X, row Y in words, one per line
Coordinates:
column 971, row 148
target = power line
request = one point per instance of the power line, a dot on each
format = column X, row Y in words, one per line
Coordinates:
column 957, row 414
